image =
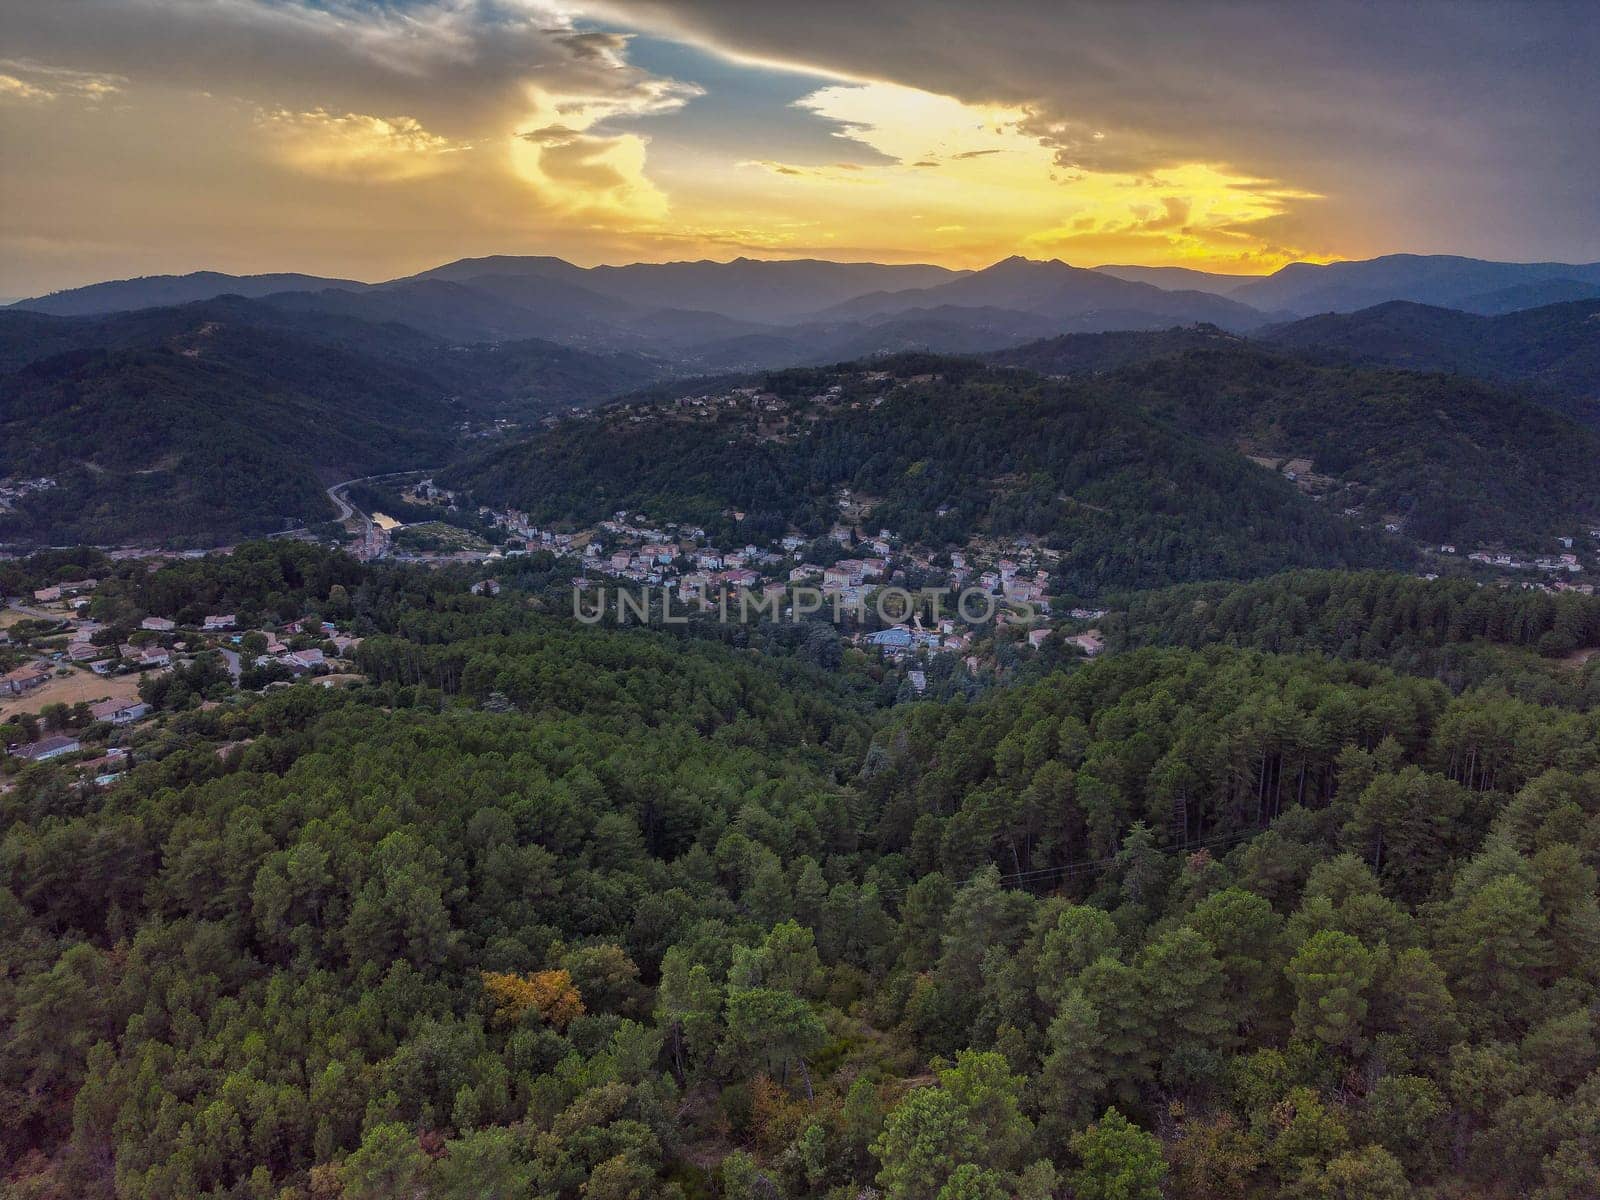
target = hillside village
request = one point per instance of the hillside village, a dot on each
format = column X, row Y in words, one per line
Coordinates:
column 855, row 572
column 77, row 683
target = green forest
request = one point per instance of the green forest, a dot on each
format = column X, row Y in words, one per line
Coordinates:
column 1290, row 894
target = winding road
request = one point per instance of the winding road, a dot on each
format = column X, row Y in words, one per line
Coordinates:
column 346, row 509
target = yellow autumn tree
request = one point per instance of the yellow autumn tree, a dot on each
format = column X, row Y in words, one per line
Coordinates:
column 551, row 993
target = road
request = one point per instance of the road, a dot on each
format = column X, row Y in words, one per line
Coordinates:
column 348, row 510
column 27, row 610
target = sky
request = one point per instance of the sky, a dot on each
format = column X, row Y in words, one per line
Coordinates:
column 372, row 138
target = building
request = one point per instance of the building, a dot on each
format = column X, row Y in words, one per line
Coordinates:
column 219, row 621
column 1091, row 643
column 47, row 748
column 158, row 624
column 847, row 572
column 47, row 594
column 303, row 660
column 119, row 712
column 24, row 679
column 895, row 640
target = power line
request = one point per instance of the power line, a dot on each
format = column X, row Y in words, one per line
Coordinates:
column 1074, row 867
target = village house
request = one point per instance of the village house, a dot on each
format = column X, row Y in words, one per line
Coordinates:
column 24, row 679
column 158, row 624
column 1091, row 643
column 302, row 660
column 47, row 748
column 1038, row 637
column 845, row 573
column 219, row 621
column 119, row 712
column 47, row 595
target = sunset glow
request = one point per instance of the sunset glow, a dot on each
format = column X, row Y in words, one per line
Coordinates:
column 365, row 140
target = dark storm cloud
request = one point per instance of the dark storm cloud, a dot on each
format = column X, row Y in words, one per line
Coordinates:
column 1467, row 125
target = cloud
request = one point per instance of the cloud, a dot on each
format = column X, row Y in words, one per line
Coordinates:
column 12, row 88
column 839, row 172
column 1470, row 126
column 1003, row 186
column 33, row 82
column 356, row 146
column 497, row 120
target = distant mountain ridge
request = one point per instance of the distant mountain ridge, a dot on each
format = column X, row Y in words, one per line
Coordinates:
column 159, row 291
column 757, row 314
column 1448, row 281
column 1056, row 290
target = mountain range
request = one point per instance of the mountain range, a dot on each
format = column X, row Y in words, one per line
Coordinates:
column 226, row 416
column 749, row 314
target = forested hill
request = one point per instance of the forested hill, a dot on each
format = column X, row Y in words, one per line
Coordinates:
column 563, row 913
column 152, row 445
column 1556, row 347
column 1453, row 630
column 1076, row 354
column 201, row 423
column 948, row 449
column 1448, row 458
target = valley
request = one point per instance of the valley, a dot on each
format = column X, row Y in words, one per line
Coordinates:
column 478, row 736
